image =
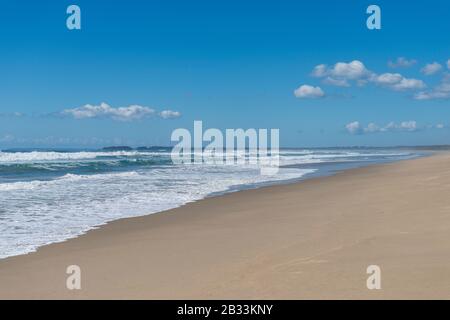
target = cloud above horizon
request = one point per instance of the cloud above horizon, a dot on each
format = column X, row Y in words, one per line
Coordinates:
column 306, row 91
column 105, row 111
column 431, row 68
column 348, row 74
column 169, row 114
column 356, row 128
column 342, row 73
column 441, row 91
column 397, row 82
column 336, row 82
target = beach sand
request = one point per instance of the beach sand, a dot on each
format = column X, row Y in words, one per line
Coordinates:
column 308, row 240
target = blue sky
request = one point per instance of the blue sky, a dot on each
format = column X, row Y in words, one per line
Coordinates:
column 228, row 63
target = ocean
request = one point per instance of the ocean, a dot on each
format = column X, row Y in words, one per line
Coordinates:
column 49, row 196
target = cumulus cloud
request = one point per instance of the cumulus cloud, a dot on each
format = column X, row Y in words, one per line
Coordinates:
column 341, row 72
column 356, row 128
column 353, row 127
column 397, row 82
column 320, row 71
column 104, row 110
column 169, row 114
column 431, row 95
column 402, row 62
column 431, row 68
column 346, row 74
column 442, row 91
column 403, row 126
column 352, row 70
column 307, row 91
column 408, row 84
column 387, row 78
column 336, row 82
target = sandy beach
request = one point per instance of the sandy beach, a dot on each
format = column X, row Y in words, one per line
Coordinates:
column 308, row 240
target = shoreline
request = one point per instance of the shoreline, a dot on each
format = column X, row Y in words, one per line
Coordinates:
column 255, row 239
column 330, row 170
column 314, row 170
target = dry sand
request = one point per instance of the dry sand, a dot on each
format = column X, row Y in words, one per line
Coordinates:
column 307, row 240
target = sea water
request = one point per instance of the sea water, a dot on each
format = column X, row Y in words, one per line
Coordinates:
column 53, row 195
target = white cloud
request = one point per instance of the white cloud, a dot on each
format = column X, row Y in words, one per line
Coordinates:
column 320, row 71
column 397, row 82
column 444, row 86
column 407, row 125
column 392, row 126
column 431, row 95
column 169, row 114
column 448, row 64
column 336, row 82
column 387, row 78
column 361, row 82
column 344, row 74
column 408, row 84
column 442, row 91
column 307, row 91
column 104, row 110
column 402, row 62
column 356, row 128
column 341, row 73
column 372, row 127
column 353, row 70
column 431, row 68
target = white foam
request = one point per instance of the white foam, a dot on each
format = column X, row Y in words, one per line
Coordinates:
column 42, row 212
column 38, row 212
column 36, row 156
